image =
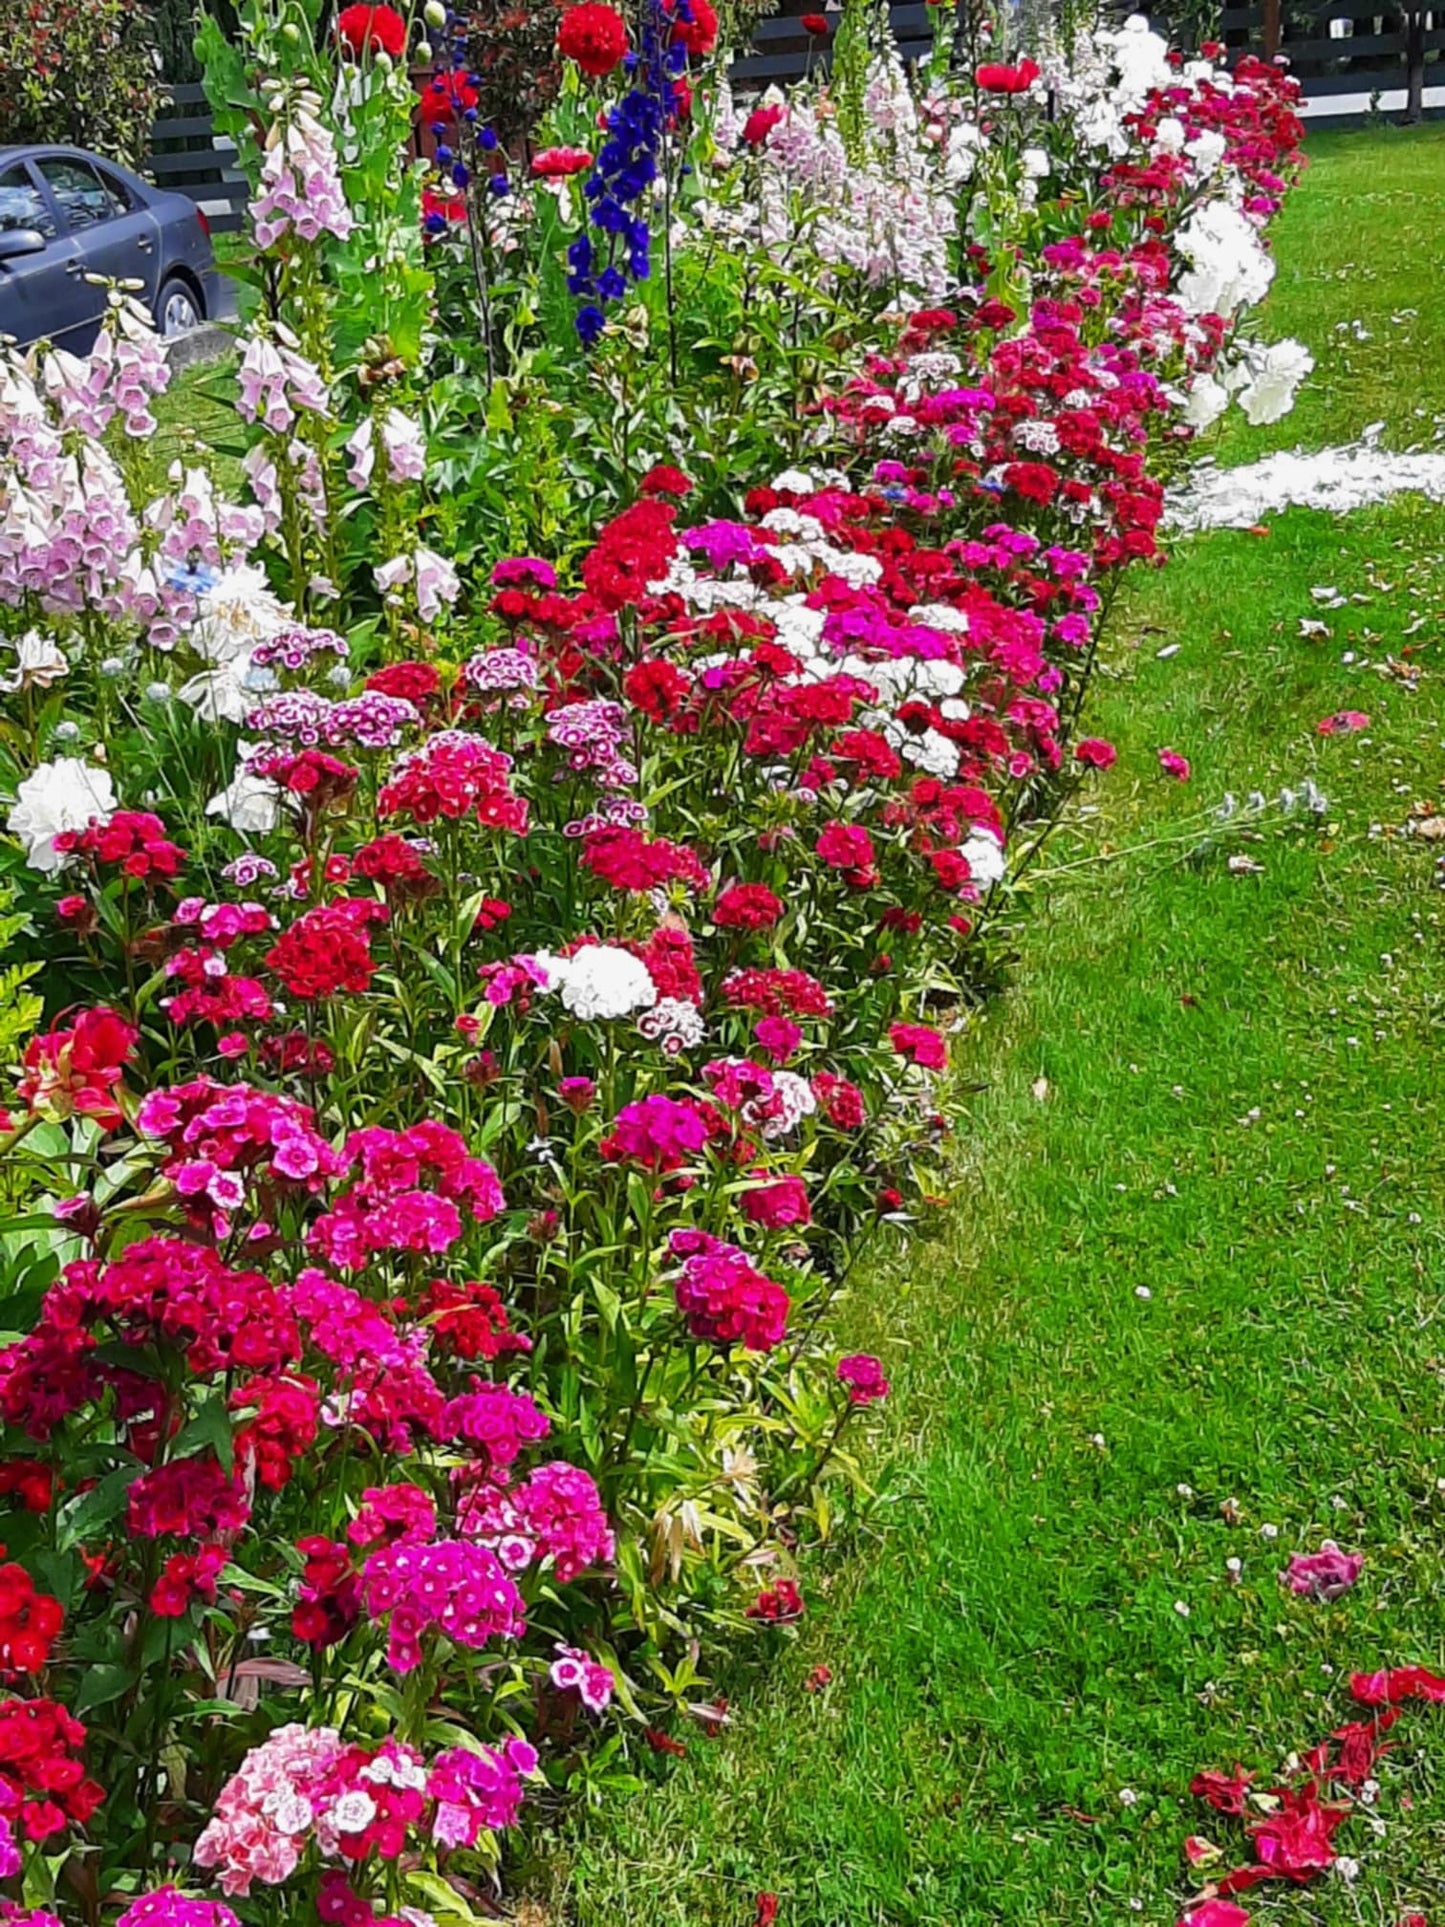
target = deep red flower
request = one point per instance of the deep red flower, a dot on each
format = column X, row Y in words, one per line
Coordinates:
column 1224, row 1791
column 747, row 906
column 368, row 29
column 327, row 950
column 593, row 37
column 29, row 1623
column 560, row 163
column 815, row 24
column 698, row 34
column 760, row 123
column 664, row 479
column 998, row 79
column 1093, row 753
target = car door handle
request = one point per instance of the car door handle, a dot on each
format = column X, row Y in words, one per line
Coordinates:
column 75, row 270
column 145, row 244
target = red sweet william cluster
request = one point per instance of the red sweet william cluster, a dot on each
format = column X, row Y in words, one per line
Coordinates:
column 132, row 842
column 327, row 950
column 40, row 1767
column 29, row 1623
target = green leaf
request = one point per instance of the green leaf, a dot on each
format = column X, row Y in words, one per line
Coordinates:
column 96, row 1508
column 99, row 1685
column 209, row 1428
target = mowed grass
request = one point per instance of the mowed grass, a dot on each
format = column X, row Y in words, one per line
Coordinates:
column 1219, row 1089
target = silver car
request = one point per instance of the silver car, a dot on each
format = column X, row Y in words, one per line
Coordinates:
column 66, row 215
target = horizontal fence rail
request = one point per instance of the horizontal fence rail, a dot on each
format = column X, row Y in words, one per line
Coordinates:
column 189, row 157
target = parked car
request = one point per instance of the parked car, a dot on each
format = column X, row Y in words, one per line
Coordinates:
column 66, row 215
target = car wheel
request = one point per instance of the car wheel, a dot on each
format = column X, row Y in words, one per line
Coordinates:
column 177, row 309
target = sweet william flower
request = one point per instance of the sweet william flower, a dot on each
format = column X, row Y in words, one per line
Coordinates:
column 1175, row 765
column 862, row 1376
column 1091, row 752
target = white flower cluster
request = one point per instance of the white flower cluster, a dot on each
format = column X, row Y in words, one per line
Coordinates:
column 68, row 794
column 601, row 981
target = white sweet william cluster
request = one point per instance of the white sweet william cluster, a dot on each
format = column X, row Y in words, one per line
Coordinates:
column 601, row 981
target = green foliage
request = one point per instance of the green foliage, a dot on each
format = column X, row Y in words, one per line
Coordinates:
column 20, row 1007
column 79, row 71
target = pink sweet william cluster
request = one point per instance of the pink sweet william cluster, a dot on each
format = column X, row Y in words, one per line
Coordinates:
column 416, row 1190
column 454, row 1585
column 553, row 1515
column 725, row 1299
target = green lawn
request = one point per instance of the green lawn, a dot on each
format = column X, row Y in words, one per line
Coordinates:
column 1239, row 1114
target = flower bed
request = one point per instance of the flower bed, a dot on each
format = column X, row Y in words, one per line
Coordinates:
column 498, row 1001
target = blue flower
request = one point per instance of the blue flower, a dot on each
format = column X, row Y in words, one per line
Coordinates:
column 590, row 324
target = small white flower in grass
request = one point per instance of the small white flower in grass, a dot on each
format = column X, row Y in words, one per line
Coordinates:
column 1269, row 1532
column 1184, row 1491
column 1181, row 1608
column 1142, row 1291
column 1128, row 1797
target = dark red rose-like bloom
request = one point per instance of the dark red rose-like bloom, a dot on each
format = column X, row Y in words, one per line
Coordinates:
column 698, row 34
column 1093, row 753
column 367, row 29
column 815, row 24
column 592, row 36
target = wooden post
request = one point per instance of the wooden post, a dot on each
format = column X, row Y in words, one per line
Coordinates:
column 1415, row 65
column 1272, row 28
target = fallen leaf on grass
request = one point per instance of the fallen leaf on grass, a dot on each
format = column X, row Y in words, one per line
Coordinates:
column 1040, row 1088
column 1245, row 866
